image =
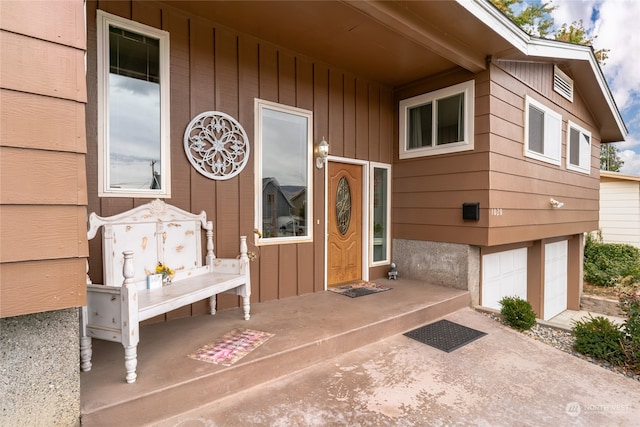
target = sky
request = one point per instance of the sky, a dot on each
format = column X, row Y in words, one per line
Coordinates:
column 283, row 154
column 134, row 131
column 615, row 23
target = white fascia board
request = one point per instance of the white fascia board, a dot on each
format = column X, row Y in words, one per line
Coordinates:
column 555, row 49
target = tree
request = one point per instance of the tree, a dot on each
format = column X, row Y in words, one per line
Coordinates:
column 536, row 20
column 576, row 33
column 609, row 158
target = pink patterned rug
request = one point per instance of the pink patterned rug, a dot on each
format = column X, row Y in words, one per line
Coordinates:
column 233, row 346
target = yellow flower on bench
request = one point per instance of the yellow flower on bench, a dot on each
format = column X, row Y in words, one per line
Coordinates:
column 167, row 273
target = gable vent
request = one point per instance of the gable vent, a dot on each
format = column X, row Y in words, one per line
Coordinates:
column 562, row 83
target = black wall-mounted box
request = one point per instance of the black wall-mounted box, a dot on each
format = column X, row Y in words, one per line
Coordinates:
column 471, row 211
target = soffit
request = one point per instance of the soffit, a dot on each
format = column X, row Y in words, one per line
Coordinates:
column 393, row 43
column 399, row 42
column 612, row 128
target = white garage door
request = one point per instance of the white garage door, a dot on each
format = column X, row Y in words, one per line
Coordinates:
column 504, row 274
column 555, row 279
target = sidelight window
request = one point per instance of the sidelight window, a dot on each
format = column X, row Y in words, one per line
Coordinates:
column 380, row 182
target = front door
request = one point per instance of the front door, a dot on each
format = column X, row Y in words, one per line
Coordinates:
column 344, row 243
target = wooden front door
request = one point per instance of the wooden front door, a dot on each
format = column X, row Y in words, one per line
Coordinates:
column 344, row 243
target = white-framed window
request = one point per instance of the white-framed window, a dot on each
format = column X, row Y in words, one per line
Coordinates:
column 380, row 214
column 133, row 109
column 437, row 122
column 542, row 132
column 578, row 148
column 284, row 154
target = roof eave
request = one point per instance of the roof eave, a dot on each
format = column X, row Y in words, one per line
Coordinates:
column 616, row 129
column 539, row 47
column 618, row 175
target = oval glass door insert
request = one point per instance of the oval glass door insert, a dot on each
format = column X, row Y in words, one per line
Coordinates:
column 343, row 205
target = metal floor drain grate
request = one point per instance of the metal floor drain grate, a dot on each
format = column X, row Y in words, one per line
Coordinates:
column 445, row 335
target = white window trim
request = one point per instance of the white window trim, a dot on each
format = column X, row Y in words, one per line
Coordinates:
column 387, row 229
column 103, row 21
column 548, row 115
column 259, row 104
column 578, row 168
column 466, row 88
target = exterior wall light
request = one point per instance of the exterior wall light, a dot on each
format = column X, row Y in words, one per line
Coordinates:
column 322, row 152
column 555, row 203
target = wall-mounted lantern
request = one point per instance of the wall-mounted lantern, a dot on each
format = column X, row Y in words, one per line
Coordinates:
column 322, row 152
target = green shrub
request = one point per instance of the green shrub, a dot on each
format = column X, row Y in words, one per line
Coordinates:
column 517, row 313
column 607, row 263
column 600, row 338
column 629, row 295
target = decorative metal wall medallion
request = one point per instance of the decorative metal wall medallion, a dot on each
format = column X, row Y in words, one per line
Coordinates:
column 216, row 145
column 343, row 205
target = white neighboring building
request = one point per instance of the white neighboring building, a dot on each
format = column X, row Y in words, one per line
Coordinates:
column 620, row 208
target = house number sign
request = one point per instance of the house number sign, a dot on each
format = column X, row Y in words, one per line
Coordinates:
column 216, row 145
column 343, row 205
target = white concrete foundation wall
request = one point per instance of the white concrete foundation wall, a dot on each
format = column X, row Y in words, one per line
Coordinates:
column 445, row 264
column 39, row 370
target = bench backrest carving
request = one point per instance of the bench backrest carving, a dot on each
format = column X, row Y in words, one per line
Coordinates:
column 155, row 232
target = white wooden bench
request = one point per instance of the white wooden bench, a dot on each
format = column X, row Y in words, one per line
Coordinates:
column 133, row 243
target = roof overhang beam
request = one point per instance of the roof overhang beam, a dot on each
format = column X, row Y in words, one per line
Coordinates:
column 404, row 22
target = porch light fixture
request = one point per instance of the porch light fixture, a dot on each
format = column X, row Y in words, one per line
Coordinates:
column 555, row 203
column 322, row 152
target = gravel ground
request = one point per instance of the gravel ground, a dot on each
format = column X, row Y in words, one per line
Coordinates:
column 563, row 340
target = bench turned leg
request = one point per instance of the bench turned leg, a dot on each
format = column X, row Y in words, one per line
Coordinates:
column 131, row 362
column 212, row 304
column 85, row 354
column 246, row 305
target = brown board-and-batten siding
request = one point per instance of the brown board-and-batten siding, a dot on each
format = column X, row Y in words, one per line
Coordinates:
column 215, row 68
column 43, row 243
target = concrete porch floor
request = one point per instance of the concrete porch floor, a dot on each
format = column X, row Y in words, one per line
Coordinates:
column 505, row 378
column 308, row 329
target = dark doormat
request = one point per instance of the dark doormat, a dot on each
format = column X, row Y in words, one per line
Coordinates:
column 445, row 335
column 360, row 289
